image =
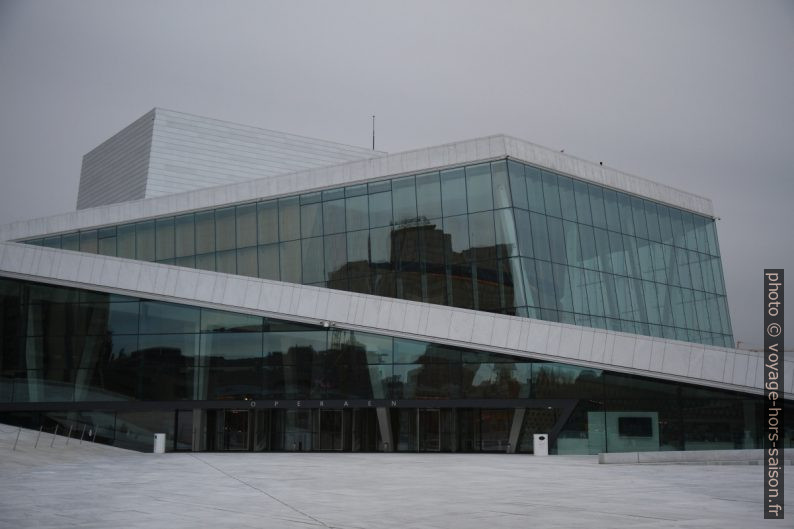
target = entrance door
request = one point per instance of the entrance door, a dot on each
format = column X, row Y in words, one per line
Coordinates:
column 428, row 430
column 330, row 427
column 235, row 430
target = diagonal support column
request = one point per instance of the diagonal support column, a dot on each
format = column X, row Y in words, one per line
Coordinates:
column 515, row 429
column 385, row 429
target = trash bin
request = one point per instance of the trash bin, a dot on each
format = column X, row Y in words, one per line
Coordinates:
column 540, row 444
column 159, row 443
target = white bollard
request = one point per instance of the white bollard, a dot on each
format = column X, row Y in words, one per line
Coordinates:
column 159, row 443
column 540, row 444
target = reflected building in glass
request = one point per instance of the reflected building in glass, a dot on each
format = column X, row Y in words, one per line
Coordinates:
column 325, row 297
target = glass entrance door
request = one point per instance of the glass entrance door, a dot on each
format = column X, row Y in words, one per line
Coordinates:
column 330, row 426
column 428, row 430
column 235, row 430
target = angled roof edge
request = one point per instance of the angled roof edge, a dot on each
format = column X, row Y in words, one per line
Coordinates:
column 530, row 338
column 391, row 165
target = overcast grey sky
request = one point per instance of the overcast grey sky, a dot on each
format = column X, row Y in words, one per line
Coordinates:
column 694, row 94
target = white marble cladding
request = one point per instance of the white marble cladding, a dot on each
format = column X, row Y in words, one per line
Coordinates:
column 642, row 355
column 464, row 152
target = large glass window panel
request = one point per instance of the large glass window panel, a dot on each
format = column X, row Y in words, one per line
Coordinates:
column 694, row 270
column 221, row 321
column 333, row 194
column 603, row 253
column 71, row 241
column 682, row 260
column 524, row 233
column 708, row 275
column 589, row 254
column 582, row 197
column 205, row 232
column 161, row 351
column 690, row 239
column 631, row 255
column 184, row 236
column 404, row 198
column 356, row 190
column 612, row 210
column 567, row 201
column 267, row 222
column 144, row 241
column 623, row 293
column 646, row 260
column 164, row 237
column 290, row 259
column 551, row 194
column 157, row 317
column 335, row 247
column 595, row 298
column 545, row 278
column 311, row 198
column 556, row 240
column 506, row 239
column 651, row 302
column 701, row 238
column 482, row 236
column 652, row 218
column 578, row 287
column 573, row 247
column 88, row 242
column 518, row 185
column 453, row 192
column 106, row 241
column 380, row 213
column 289, row 223
column 226, row 262
column 677, row 307
column 358, row 252
column 562, row 288
column 665, row 224
column 428, row 195
column 206, row 261
column 510, row 282
column 626, row 215
column 716, row 268
column 247, row 262
column 357, row 212
column 618, row 255
column 55, row 241
column 312, row 258
column 478, row 188
column 679, row 236
column 534, row 183
column 311, row 220
column 225, row 230
column 597, row 206
column 638, row 212
column 501, row 185
column 380, row 245
column 609, row 295
column 540, row 236
column 334, row 216
column 487, row 296
column 231, row 349
column 268, row 261
column 246, row 225
column 531, row 289
column 458, row 230
column 711, row 235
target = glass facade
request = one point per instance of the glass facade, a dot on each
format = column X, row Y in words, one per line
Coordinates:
column 500, row 237
column 127, row 367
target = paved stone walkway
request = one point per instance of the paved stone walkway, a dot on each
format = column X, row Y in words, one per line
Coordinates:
column 96, row 486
